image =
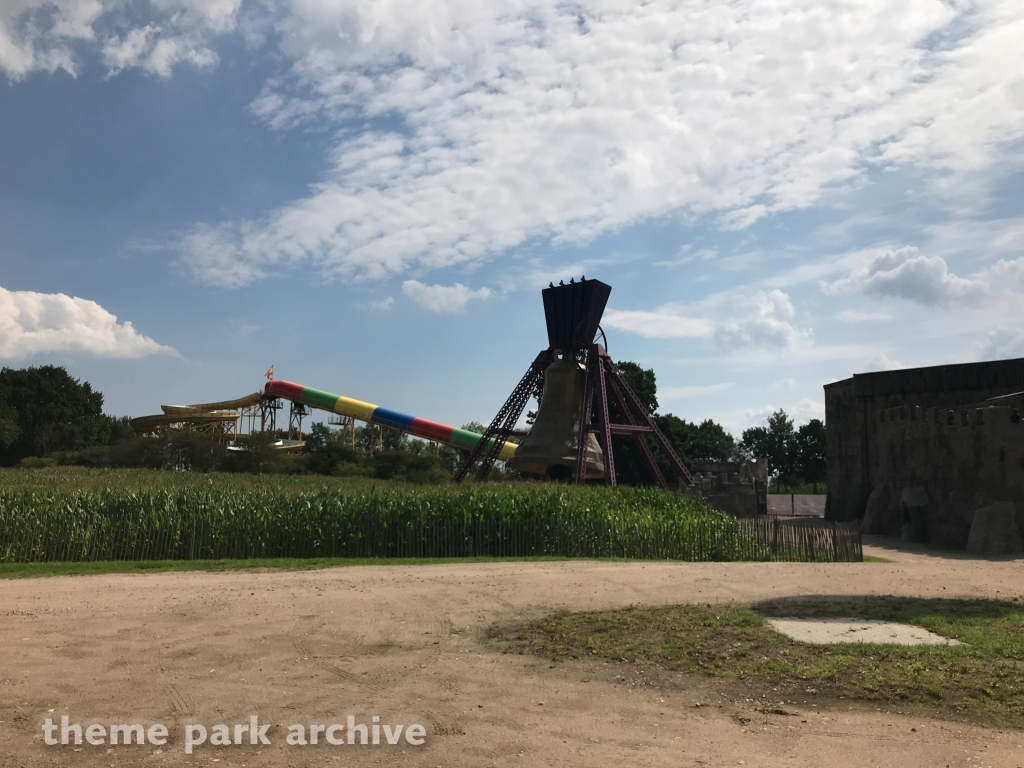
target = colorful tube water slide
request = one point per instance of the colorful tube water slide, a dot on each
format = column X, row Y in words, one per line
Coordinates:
column 374, row 414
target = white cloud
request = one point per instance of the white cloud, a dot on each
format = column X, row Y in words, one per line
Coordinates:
column 800, row 412
column 149, row 49
column 880, row 362
column 35, row 323
column 907, row 274
column 465, row 128
column 1004, row 342
column 1009, row 274
column 806, row 409
column 972, row 104
column 524, row 119
column 685, row 393
column 384, row 305
column 858, row 316
column 735, row 320
column 442, row 298
column 37, row 35
column 154, row 36
column 762, row 319
column 664, row 323
column 215, row 254
column 687, row 254
column 983, row 236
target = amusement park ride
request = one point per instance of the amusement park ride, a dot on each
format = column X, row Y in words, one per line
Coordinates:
column 228, row 421
column 570, row 440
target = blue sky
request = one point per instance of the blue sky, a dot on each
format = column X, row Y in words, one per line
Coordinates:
column 369, row 196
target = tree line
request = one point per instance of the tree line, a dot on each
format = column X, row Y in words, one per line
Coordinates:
column 45, row 412
column 795, row 456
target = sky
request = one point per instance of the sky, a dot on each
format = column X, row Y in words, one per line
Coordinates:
column 369, row 196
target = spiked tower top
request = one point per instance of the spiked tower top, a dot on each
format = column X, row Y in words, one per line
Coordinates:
column 573, row 311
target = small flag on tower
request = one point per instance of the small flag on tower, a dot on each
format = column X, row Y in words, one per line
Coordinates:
column 270, row 373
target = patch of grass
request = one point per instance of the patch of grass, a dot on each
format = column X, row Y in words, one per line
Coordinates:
column 36, row 570
column 982, row 680
column 873, row 559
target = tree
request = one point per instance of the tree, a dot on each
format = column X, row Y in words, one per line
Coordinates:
column 317, row 438
column 119, row 429
column 394, row 440
column 367, row 437
column 260, row 456
column 389, row 463
column 794, row 456
column 643, row 382
column 329, row 452
column 706, row 441
column 8, row 423
column 776, row 443
column 538, row 393
column 54, row 412
column 629, row 464
column 187, row 452
column 810, row 452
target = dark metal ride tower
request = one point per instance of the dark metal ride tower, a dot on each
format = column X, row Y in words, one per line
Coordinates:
column 573, row 312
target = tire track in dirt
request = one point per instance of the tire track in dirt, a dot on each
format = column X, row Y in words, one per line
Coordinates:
column 180, row 701
column 440, row 725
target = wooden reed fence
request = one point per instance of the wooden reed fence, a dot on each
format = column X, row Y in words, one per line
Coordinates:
column 807, row 540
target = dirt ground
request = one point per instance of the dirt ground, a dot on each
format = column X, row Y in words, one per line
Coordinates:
column 405, row 644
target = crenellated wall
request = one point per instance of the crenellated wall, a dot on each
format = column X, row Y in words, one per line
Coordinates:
column 853, row 450
column 964, row 458
column 738, row 488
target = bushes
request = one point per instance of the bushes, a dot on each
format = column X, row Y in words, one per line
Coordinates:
column 328, row 452
column 36, row 462
column 179, row 452
column 402, row 465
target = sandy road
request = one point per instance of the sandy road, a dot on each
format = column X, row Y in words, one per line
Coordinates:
column 404, row 643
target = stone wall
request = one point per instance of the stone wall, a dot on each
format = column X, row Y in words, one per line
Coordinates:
column 851, row 442
column 738, row 488
column 962, row 458
column 845, row 451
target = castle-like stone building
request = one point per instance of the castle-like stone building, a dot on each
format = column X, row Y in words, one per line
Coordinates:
column 947, row 440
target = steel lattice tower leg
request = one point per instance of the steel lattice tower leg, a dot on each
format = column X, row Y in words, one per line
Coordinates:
column 645, row 449
column 600, row 372
column 504, row 422
column 666, row 447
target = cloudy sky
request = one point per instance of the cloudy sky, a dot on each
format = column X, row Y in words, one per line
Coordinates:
column 369, row 195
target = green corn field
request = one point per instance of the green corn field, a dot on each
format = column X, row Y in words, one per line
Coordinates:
column 201, row 519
